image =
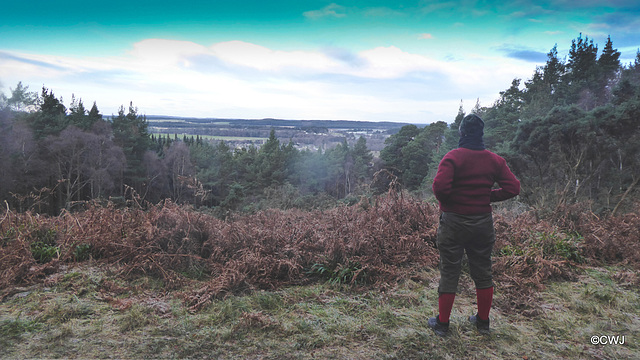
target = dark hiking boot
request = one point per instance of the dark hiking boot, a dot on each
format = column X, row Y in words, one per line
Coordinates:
column 441, row 329
column 481, row 325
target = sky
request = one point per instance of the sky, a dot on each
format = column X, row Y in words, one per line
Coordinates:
column 384, row 60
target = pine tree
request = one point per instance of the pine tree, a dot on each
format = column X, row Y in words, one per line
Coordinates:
column 392, row 152
column 582, row 61
column 130, row 133
column 502, row 119
column 608, row 70
column 94, row 114
column 51, row 118
column 21, row 98
column 451, row 135
column 609, row 61
column 416, row 156
column 546, row 88
column 582, row 73
column 553, row 70
column 78, row 115
column 362, row 158
column 339, row 170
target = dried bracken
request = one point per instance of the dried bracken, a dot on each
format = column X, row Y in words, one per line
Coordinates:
column 387, row 240
column 375, row 243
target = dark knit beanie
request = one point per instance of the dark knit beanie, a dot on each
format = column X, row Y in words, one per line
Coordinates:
column 471, row 125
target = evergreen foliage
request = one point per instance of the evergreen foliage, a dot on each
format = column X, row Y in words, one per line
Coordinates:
column 131, row 134
column 573, row 131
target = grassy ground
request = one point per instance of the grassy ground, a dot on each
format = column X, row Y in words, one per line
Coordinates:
column 86, row 313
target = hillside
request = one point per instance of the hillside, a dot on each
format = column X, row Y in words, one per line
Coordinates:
column 269, row 123
column 356, row 282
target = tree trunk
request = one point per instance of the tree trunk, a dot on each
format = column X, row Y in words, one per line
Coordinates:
column 633, row 184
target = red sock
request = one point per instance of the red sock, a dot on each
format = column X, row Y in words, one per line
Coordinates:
column 484, row 296
column 445, row 303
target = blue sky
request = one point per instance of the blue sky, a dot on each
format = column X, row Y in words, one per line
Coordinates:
column 407, row 61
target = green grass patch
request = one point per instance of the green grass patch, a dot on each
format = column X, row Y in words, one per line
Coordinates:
column 325, row 321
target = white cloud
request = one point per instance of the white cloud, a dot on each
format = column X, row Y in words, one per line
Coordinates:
column 262, row 58
column 381, row 12
column 161, row 52
column 245, row 80
column 331, row 10
column 594, row 29
column 390, row 62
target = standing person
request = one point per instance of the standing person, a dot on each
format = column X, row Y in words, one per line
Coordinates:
column 464, row 187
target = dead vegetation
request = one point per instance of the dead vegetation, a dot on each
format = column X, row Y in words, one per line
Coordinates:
column 374, row 244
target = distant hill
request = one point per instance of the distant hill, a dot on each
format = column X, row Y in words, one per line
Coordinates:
column 174, row 121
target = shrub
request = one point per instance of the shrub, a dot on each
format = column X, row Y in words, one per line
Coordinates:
column 563, row 246
column 82, row 252
column 338, row 274
column 44, row 247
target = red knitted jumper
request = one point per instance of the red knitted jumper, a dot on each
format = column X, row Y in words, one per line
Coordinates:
column 465, row 178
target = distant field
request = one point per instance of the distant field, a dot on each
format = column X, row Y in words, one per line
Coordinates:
column 215, row 137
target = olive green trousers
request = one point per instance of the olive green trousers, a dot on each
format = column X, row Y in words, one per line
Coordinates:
column 457, row 234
